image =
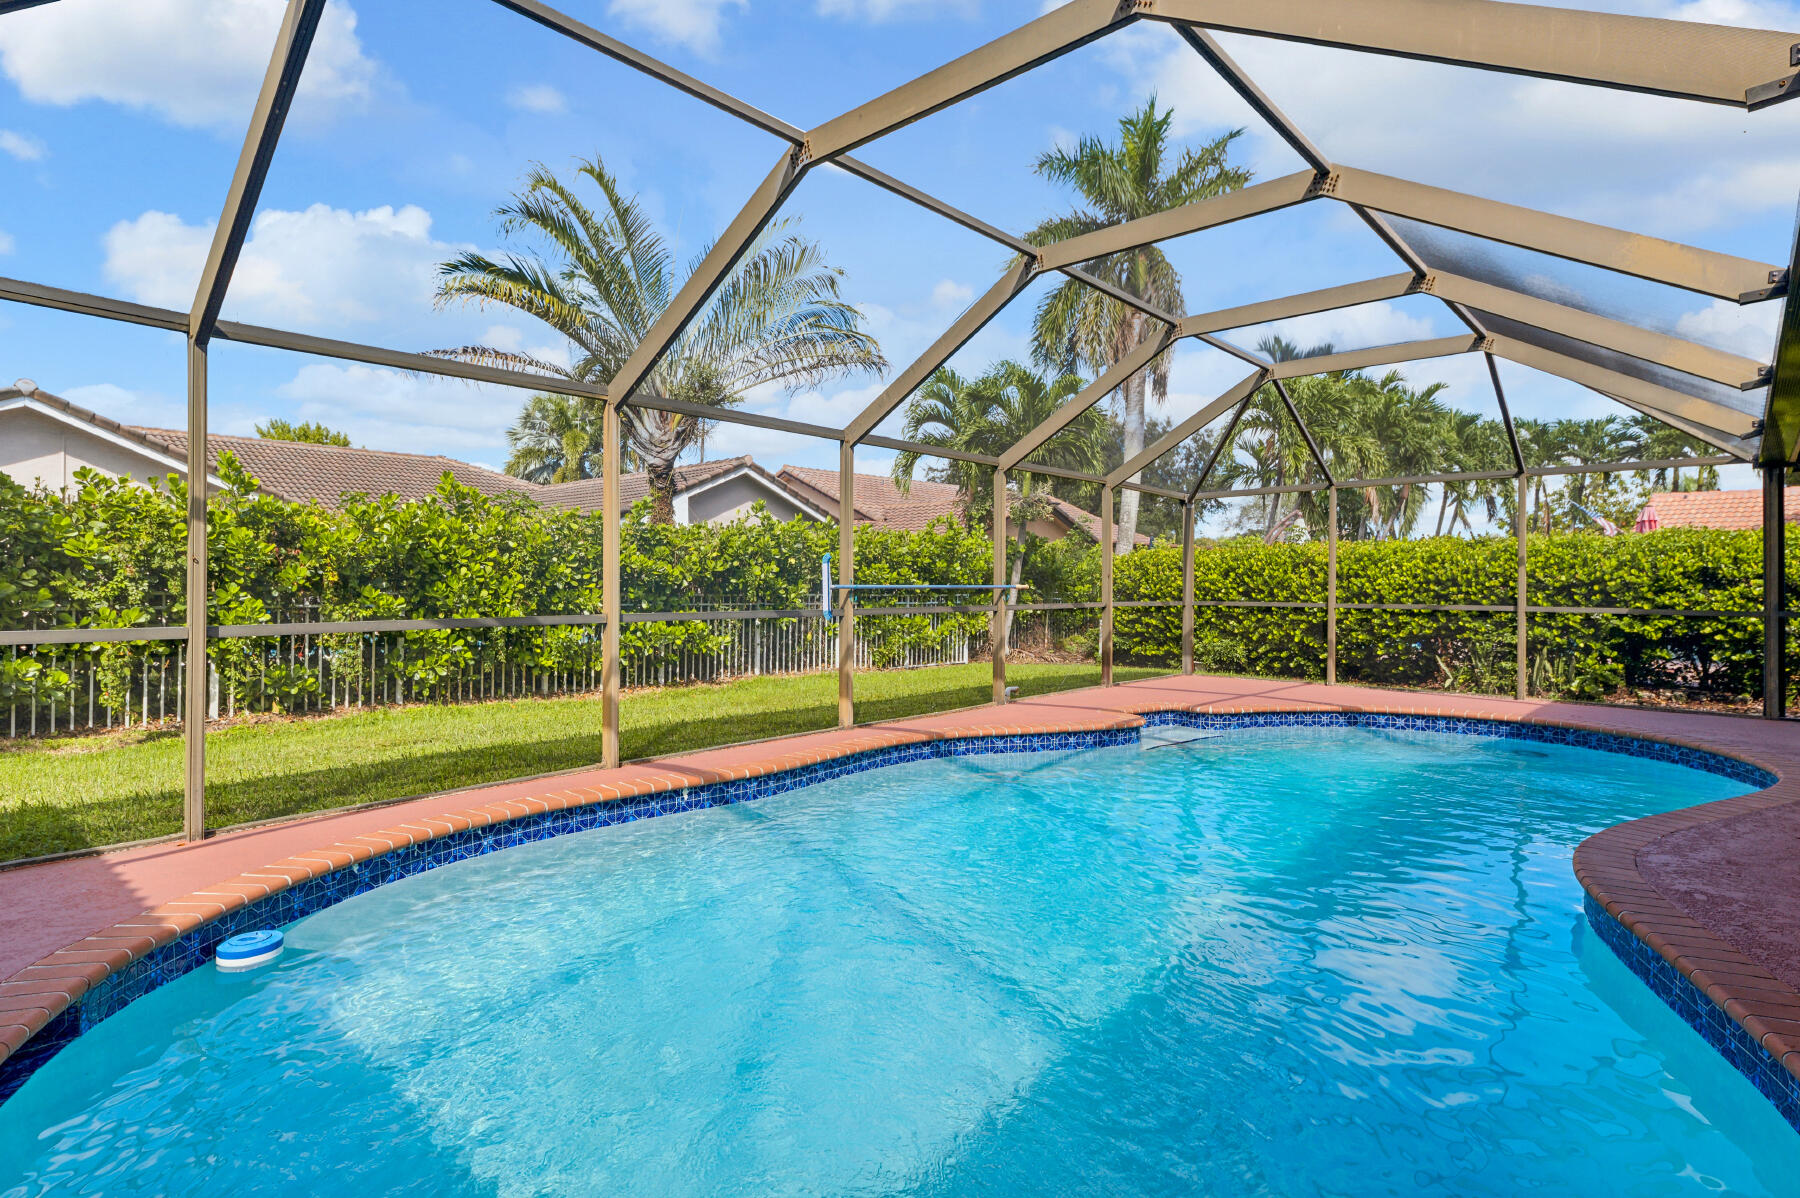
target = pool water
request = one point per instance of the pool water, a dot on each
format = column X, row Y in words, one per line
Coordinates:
column 1302, row 961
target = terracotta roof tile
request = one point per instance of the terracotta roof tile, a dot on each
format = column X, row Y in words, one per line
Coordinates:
column 879, row 500
column 303, row 472
column 1717, row 509
column 584, row 494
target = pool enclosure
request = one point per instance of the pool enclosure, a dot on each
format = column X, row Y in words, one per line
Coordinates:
column 1476, row 256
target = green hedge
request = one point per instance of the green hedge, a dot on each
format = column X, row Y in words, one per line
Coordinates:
column 112, row 555
column 1679, row 569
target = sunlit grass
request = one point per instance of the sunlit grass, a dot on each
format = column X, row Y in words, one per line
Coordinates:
column 80, row 791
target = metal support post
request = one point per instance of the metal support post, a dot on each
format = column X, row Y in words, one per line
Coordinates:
column 997, row 632
column 1521, row 523
column 846, row 607
column 194, row 687
column 1106, row 586
column 1187, row 587
column 610, row 588
column 1331, row 585
column 1774, row 592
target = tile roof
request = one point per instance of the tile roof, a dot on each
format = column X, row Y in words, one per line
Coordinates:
column 583, row 495
column 302, row 472
column 1717, row 509
column 879, row 500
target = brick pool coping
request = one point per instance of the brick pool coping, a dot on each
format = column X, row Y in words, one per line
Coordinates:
column 1711, row 890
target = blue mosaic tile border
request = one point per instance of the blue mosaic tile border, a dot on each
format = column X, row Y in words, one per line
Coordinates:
column 189, row 952
column 1605, row 742
column 1701, row 1013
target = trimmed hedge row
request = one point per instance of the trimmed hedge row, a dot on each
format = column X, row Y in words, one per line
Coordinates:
column 112, row 555
column 1674, row 569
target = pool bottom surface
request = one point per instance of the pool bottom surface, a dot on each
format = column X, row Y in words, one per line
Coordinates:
column 1289, row 961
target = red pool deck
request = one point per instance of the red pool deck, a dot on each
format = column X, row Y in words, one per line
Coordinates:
column 1715, row 889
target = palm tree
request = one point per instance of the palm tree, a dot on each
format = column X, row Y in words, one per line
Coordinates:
column 1473, row 443
column 1283, row 454
column 1077, row 326
column 556, row 440
column 1654, row 440
column 606, row 275
column 989, row 415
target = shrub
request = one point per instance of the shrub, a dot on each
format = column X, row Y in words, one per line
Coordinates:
column 1683, row 569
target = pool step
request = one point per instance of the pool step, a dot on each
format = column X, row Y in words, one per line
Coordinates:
column 1169, row 735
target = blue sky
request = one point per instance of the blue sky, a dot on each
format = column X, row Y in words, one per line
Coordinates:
column 120, row 121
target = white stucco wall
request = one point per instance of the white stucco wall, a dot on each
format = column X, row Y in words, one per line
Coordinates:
column 37, row 449
column 732, row 498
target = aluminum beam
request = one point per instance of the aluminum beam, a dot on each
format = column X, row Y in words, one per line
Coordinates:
column 707, row 277
column 1702, row 361
column 611, row 585
column 1685, row 59
column 41, row 295
column 1723, row 275
column 328, row 347
column 1379, row 355
column 1312, row 446
column 1512, row 430
column 1218, row 451
column 293, row 39
column 1209, row 213
column 1241, row 391
column 280, row 82
column 975, row 318
column 1050, row 36
column 1115, row 377
column 637, row 60
column 1781, row 418
column 1327, row 299
column 1718, row 426
column 1239, row 81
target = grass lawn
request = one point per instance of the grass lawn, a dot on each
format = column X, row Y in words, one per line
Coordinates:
column 78, row 791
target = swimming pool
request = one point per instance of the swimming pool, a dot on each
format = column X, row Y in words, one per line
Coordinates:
column 1272, row 961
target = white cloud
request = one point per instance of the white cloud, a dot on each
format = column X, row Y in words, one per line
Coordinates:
column 951, row 294
column 1663, row 166
column 319, row 269
column 1749, row 331
column 390, row 409
column 878, row 11
column 6, row 242
column 146, row 408
column 691, row 23
column 536, row 97
column 22, row 146
column 196, row 63
column 1360, row 327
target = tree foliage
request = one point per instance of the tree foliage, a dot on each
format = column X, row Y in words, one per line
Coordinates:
column 601, row 276
column 111, row 554
column 1139, row 175
column 310, row 432
column 1682, row 569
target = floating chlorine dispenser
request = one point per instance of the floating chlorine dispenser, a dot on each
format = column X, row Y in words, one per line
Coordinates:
column 247, row 950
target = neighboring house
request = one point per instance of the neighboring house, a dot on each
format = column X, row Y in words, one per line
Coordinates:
column 45, row 439
column 705, row 493
column 880, row 501
column 1715, row 509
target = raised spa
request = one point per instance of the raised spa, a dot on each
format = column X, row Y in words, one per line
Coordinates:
column 1292, row 961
